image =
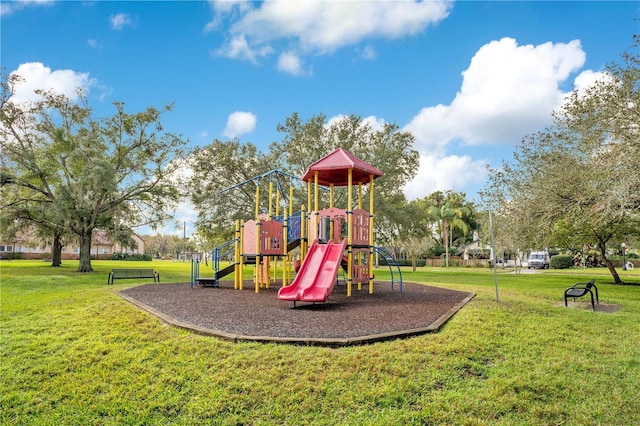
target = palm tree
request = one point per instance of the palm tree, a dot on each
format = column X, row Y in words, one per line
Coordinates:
column 449, row 217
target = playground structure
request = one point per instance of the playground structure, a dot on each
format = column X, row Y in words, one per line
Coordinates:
column 328, row 239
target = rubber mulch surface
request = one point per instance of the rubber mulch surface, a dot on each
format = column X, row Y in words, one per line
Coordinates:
column 245, row 315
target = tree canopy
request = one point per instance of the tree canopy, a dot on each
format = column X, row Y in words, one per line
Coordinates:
column 69, row 173
column 576, row 182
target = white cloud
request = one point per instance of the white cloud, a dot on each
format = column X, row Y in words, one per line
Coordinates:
column 239, row 123
column 508, row 91
column 374, row 122
column 319, row 26
column 588, row 78
column 290, row 63
column 184, row 215
column 94, row 43
column 186, row 212
column 7, row 8
column 121, row 20
column 369, row 52
column 36, row 75
column 239, row 48
column 327, row 25
column 184, row 218
column 443, row 173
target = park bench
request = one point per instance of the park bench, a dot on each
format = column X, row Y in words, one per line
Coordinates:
column 580, row 290
column 117, row 274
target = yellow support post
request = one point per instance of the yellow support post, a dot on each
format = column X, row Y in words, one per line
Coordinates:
column 258, row 271
column 331, row 188
column 285, row 258
column 349, row 233
column 371, row 242
column 288, row 257
column 316, row 200
column 316, row 189
column 309, row 194
column 275, row 259
column 290, row 198
column 360, row 259
column 303, row 229
column 236, row 270
column 241, row 286
column 255, row 266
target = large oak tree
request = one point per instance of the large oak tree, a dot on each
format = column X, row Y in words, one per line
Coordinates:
column 70, row 172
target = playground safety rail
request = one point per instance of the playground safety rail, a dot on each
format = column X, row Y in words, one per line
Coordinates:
column 195, row 272
column 217, row 254
column 391, row 262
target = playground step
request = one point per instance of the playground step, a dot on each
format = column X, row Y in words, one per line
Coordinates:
column 207, row 282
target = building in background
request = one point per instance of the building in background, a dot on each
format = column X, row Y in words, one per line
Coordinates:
column 101, row 248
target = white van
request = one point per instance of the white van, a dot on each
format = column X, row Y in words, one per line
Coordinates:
column 539, row 260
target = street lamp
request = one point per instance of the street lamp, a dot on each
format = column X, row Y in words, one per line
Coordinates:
column 624, row 259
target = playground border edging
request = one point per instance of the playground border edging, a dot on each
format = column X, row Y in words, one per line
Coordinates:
column 311, row 341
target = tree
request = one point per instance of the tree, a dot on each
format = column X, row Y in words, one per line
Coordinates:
column 73, row 173
column 447, row 213
column 449, row 217
column 222, row 188
column 169, row 245
column 580, row 176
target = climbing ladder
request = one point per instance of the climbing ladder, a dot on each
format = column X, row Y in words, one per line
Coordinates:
column 394, row 267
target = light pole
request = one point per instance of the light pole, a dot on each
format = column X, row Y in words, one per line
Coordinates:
column 624, row 259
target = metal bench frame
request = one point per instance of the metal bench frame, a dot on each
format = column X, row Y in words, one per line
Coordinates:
column 580, row 290
column 130, row 273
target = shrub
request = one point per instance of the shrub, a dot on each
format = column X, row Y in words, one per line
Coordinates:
column 11, row 255
column 436, row 251
column 127, row 256
column 406, row 262
column 560, row 261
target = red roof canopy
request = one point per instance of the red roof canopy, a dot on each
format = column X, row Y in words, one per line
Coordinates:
column 334, row 169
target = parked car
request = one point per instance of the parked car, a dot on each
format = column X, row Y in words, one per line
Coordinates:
column 538, row 260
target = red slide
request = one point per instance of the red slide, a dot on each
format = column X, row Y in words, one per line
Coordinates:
column 317, row 274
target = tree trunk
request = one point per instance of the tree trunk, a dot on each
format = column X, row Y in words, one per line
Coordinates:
column 56, row 250
column 446, row 244
column 616, row 278
column 85, row 252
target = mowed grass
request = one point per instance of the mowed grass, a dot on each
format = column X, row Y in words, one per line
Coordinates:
column 75, row 353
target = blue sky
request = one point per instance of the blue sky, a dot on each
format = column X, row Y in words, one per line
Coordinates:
column 469, row 79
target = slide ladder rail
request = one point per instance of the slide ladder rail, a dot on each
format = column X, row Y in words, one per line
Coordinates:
column 217, row 255
column 195, row 272
column 394, row 267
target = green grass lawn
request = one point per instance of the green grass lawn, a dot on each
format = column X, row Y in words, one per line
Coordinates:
column 75, row 353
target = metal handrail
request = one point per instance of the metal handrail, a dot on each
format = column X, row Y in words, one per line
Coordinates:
column 390, row 261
